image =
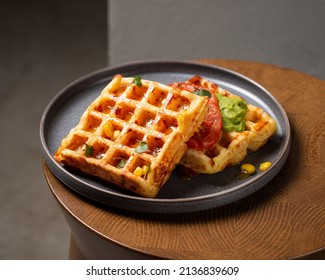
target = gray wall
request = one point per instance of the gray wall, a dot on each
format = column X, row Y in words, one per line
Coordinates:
column 44, row 46
column 289, row 33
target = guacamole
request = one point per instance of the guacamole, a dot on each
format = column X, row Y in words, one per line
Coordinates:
column 233, row 111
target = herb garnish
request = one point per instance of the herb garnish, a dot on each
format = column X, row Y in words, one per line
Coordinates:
column 143, row 147
column 89, row 150
column 122, row 163
column 137, row 81
column 202, row 92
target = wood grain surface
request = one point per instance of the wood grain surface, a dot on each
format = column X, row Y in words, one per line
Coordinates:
column 283, row 220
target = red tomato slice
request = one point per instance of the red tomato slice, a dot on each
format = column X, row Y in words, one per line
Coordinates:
column 210, row 130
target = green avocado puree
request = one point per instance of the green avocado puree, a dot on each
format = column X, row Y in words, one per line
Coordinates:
column 233, row 111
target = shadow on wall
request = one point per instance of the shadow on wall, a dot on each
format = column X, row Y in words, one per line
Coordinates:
column 45, row 45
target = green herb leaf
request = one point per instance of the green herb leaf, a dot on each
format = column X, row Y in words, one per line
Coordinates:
column 137, row 81
column 202, row 92
column 122, row 163
column 143, row 147
column 89, row 150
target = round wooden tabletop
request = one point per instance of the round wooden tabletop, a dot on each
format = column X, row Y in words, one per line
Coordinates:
column 283, row 220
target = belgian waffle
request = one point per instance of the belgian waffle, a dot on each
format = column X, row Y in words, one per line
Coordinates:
column 232, row 147
column 133, row 135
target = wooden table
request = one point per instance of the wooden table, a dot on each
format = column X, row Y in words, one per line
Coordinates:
column 283, row 220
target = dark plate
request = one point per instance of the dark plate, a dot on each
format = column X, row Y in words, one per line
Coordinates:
column 177, row 195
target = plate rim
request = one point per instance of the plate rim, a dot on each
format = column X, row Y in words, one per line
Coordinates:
column 98, row 75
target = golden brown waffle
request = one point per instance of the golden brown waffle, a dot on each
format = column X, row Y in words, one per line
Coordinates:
column 232, row 147
column 133, row 136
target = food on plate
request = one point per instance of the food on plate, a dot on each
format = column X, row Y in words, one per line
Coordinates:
column 233, row 127
column 248, row 168
column 134, row 133
column 265, row 165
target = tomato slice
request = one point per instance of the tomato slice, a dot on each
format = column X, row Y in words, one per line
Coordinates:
column 210, row 130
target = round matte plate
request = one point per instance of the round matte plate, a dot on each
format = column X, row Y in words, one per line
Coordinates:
column 178, row 195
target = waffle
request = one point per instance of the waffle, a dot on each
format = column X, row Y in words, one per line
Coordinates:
column 232, row 147
column 133, row 135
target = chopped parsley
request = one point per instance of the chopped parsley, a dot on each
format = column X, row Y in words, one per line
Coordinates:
column 89, row 150
column 143, row 147
column 137, row 81
column 202, row 92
